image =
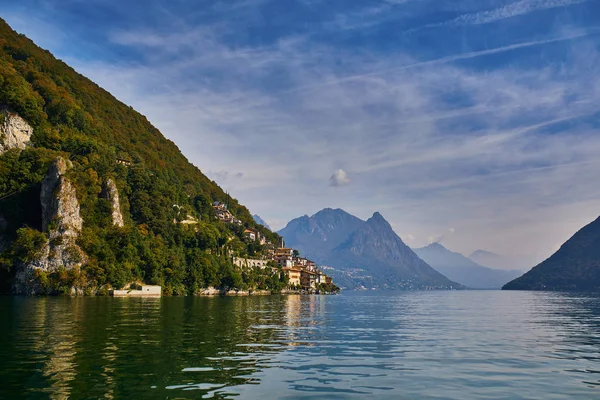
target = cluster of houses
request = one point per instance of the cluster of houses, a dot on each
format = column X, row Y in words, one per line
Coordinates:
column 301, row 272
column 224, row 214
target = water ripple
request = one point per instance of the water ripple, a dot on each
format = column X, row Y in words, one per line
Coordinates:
column 430, row 345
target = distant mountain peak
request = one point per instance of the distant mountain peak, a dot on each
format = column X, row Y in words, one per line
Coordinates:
column 330, row 211
column 436, row 245
column 316, row 235
column 378, row 219
column 260, row 221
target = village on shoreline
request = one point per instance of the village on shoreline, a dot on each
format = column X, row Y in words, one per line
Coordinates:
column 302, row 276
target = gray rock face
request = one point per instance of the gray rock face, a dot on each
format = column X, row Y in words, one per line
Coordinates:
column 15, row 132
column 111, row 193
column 49, row 196
column 61, row 219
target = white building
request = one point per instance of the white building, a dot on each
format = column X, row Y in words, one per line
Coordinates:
column 250, row 263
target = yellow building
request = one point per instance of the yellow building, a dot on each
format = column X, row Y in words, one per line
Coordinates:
column 293, row 274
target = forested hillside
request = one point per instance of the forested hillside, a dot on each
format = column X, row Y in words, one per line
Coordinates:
column 106, row 140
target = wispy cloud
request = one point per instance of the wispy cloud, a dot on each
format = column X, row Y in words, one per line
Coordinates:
column 452, row 58
column 509, row 11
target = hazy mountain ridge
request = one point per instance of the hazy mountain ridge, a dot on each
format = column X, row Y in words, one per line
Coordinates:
column 575, row 266
column 498, row 261
column 369, row 252
column 463, row 270
column 260, row 221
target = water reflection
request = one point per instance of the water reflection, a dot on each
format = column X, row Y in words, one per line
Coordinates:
column 574, row 323
column 463, row 345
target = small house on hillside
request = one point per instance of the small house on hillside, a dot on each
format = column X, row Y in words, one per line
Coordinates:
column 123, row 161
column 251, row 234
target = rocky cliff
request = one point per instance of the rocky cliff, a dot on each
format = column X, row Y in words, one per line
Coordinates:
column 111, row 193
column 62, row 222
column 15, row 132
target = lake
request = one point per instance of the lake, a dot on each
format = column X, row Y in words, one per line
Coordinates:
column 408, row 345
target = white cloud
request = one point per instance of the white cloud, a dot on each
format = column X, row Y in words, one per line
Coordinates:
column 339, row 178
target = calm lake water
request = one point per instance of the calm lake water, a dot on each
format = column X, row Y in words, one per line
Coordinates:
column 426, row 345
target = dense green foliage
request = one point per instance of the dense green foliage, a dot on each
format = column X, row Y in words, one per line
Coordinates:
column 74, row 118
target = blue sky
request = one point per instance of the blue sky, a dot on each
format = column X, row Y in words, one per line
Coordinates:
column 475, row 121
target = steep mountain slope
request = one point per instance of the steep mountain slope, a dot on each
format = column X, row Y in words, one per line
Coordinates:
column 462, row 270
column 378, row 249
column 315, row 237
column 47, row 111
column 575, row 266
column 260, row 221
column 361, row 254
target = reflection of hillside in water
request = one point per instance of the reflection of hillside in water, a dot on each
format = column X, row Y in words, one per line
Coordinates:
column 53, row 344
column 125, row 348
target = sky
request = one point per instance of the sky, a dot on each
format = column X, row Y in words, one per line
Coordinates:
column 472, row 122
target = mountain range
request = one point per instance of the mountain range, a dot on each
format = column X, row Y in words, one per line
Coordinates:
column 361, row 253
column 464, row 270
column 575, row 266
column 497, row 261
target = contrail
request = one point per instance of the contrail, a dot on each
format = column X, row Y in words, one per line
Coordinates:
column 447, row 59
